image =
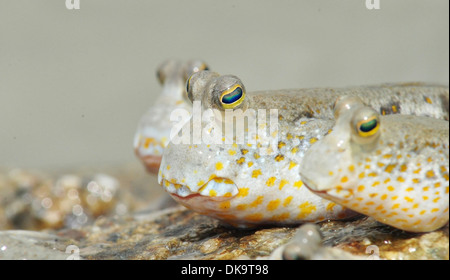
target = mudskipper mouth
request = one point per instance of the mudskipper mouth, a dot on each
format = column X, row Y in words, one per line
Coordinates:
column 152, row 163
column 149, row 151
column 216, row 189
column 335, row 193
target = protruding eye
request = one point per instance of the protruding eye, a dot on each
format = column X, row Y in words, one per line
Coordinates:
column 232, row 97
column 366, row 122
column 197, row 85
column 202, row 67
column 165, row 69
column 368, row 127
column 188, row 93
column 188, row 82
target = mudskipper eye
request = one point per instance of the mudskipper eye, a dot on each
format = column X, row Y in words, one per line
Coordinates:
column 188, row 83
column 188, row 93
column 368, row 127
column 232, row 97
column 367, row 123
column 202, row 67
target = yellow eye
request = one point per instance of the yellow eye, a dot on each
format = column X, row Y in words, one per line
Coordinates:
column 188, row 83
column 232, row 97
column 188, row 94
column 368, row 125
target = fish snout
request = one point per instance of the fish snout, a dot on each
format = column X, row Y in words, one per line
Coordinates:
column 149, row 150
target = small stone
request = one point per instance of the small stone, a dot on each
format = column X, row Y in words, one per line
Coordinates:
column 210, row 246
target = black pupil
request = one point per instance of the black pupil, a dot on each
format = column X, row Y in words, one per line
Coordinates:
column 232, row 97
column 368, row 126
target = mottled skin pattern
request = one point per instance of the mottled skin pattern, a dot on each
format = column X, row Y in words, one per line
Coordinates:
column 153, row 130
column 399, row 176
column 244, row 186
column 406, row 99
column 240, row 185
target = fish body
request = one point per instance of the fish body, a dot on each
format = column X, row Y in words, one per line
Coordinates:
column 398, row 175
column 153, row 131
column 257, row 180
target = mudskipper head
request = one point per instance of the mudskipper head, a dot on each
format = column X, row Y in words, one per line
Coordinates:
column 154, row 128
column 242, row 179
column 392, row 168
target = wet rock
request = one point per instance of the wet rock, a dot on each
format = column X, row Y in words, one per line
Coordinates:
column 150, row 228
column 34, row 200
column 367, row 236
column 177, row 233
column 31, row 245
column 37, row 201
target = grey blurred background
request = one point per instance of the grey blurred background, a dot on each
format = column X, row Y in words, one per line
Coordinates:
column 74, row 83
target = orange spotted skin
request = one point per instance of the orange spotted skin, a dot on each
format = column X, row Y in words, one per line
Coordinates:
column 245, row 184
column 243, row 187
column 400, row 177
